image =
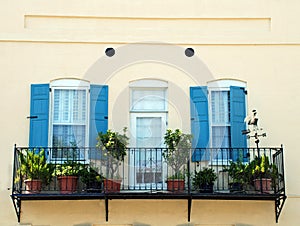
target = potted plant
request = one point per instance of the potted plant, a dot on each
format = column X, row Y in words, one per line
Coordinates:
column 114, row 149
column 263, row 173
column 67, row 175
column 34, row 170
column 176, row 155
column 237, row 172
column 203, row 180
column 92, row 179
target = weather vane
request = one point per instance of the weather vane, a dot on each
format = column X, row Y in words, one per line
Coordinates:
column 256, row 132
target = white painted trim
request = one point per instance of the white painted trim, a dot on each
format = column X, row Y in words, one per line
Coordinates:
column 225, row 83
column 66, row 82
column 153, row 83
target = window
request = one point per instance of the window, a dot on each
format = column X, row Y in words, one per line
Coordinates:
column 148, row 120
column 220, row 118
column 217, row 118
column 67, row 113
column 69, row 117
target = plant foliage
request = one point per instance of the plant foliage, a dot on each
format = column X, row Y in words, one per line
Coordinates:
column 114, row 148
column 177, row 152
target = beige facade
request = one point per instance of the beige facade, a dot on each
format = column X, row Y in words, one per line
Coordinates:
column 253, row 41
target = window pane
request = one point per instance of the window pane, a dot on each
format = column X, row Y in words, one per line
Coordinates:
column 69, row 106
column 148, row 130
column 220, row 136
column 220, row 107
column 68, row 136
column 148, row 100
column 69, row 118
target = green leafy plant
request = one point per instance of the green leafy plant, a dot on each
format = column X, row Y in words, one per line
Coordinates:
column 33, row 165
column 238, row 175
column 262, row 168
column 179, row 175
column 114, row 148
column 237, row 172
column 204, row 179
column 69, row 168
column 177, row 152
column 90, row 175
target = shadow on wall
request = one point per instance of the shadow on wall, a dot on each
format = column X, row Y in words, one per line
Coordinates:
column 140, row 224
column 187, row 224
column 85, row 224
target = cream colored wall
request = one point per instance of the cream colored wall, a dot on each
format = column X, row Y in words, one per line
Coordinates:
column 253, row 40
column 148, row 212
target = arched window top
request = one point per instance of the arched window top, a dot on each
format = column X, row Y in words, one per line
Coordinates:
column 69, row 82
column 226, row 83
column 149, row 83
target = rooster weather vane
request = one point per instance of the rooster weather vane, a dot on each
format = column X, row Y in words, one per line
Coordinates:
column 256, row 132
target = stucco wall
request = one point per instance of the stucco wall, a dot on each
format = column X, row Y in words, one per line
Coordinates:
column 149, row 212
column 255, row 41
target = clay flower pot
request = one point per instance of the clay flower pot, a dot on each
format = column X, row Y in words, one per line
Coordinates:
column 68, row 184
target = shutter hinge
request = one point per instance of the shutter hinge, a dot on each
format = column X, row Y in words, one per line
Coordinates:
column 245, row 91
column 50, row 90
column 32, row 117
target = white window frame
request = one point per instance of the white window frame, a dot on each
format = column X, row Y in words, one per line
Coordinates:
column 69, row 84
column 211, row 124
column 220, row 85
column 147, row 84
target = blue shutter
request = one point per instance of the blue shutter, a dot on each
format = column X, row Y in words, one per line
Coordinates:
column 39, row 115
column 237, row 116
column 199, row 123
column 98, row 112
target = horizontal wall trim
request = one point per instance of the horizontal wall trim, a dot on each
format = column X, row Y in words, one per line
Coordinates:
column 153, row 43
column 143, row 18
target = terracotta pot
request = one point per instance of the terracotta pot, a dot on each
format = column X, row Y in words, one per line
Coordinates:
column 68, row 184
column 175, row 185
column 112, row 185
column 264, row 185
column 33, row 186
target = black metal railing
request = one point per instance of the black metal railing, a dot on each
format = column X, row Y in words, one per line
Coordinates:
column 215, row 170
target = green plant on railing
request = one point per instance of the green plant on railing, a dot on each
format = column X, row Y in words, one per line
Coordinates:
column 114, row 148
column 203, row 180
column 33, row 166
column 89, row 175
column 69, row 168
column 177, row 152
column 180, row 176
column 262, row 168
column 238, row 174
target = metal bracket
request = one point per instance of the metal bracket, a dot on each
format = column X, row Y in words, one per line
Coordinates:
column 279, row 202
column 189, row 208
column 106, row 208
column 17, row 205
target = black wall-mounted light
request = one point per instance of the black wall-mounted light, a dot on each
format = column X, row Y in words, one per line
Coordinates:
column 189, row 52
column 110, row 52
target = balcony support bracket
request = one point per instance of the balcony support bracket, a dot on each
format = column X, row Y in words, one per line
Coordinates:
column 279, row 202
column 189, row 208
column 17, row 205
column 106, row 209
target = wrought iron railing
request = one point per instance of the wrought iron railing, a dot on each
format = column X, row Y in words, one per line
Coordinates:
column 145, row 169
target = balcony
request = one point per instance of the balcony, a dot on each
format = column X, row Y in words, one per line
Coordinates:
column 144, row 174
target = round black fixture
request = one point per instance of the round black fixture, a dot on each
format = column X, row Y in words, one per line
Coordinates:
column 110, row 52
column 189, row 52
